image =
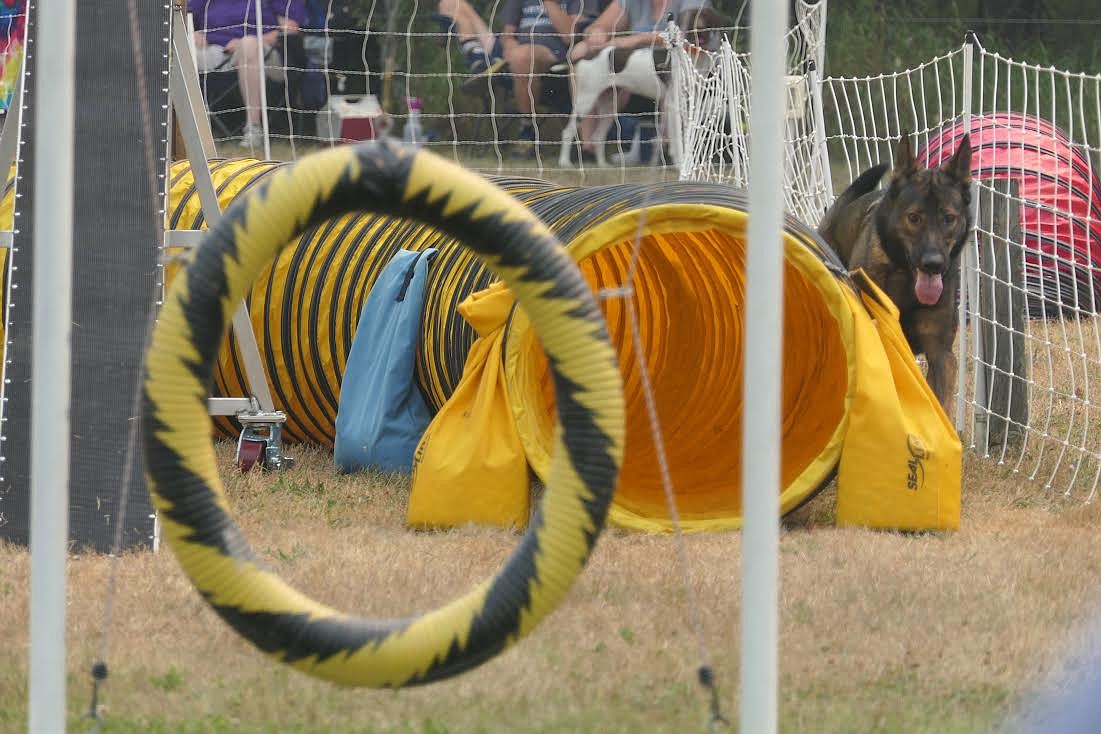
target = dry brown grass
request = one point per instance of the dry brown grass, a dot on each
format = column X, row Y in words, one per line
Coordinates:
column 879, row 631
column 1061, row 449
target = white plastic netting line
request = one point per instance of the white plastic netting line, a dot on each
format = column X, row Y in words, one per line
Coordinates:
column 351, row 62
column 1040, row 325
column 712, row 105
column 1029, row 348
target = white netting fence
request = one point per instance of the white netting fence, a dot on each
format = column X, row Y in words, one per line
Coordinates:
column 1030, row 355
column 350, row 68
column 712, row 103
column 1030, row 350
column 1038, row 364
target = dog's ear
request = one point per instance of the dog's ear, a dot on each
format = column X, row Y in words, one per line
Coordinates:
column 959, row 166
column 905, row 162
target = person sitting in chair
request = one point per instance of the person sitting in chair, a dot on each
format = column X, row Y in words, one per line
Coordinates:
column 479, row 46
column 626, row 24
column 226, row 39
column 537, row 36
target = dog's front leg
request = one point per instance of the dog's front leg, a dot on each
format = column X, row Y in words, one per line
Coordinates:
column 600, row 135
column 568, row 136
column 935, row 335
column 585, row 97
column 942, row 377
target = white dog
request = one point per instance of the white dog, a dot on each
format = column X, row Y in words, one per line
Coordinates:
column 595, row 78
column 633, row 71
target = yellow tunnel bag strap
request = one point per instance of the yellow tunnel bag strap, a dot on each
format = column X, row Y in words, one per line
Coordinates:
column 901, row 461
column 871, row 291
column 470, row 465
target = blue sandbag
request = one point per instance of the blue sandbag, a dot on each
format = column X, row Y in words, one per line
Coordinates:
column 382, row 414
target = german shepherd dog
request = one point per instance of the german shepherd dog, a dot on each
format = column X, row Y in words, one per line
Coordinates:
column 908, row 239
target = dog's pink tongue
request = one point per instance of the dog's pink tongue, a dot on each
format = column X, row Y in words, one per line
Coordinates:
column 928, row 288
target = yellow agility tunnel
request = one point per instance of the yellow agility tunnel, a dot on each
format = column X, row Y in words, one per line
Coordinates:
column 851, row 404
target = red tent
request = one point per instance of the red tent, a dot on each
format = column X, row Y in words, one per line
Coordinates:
column 1060, row 211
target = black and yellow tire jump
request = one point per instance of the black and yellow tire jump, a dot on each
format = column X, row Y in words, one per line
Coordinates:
column 183, row 475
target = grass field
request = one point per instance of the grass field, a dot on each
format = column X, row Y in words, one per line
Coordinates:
column 546, row 167
column 880, row 632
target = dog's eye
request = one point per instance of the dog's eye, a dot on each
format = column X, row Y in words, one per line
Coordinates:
column 913, row 218
column 949, row 219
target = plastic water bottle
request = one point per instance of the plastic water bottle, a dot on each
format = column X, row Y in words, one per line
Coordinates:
column 413, row 133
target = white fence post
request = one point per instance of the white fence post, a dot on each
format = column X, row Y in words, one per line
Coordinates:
column 970, row 255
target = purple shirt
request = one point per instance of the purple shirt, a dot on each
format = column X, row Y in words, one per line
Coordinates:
column 224, row 20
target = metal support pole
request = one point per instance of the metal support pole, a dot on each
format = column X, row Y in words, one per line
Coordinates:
column 815, row 81
column 9, row 137
column 187, row 100
column 761, row 432
column 50, row 389
column 9, row 145
column 970, row 258
column 263, row 78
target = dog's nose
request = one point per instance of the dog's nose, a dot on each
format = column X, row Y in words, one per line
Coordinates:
column 932, row 262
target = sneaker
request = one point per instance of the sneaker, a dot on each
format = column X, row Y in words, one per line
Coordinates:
column 253, row 137
column 631, row 157
column 481, row 73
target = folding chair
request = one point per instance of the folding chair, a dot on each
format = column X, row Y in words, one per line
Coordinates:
column 286, row 110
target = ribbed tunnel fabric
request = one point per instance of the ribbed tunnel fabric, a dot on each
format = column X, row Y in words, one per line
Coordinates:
column 689, row 290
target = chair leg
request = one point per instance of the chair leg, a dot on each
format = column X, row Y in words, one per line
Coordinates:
column 219, row 127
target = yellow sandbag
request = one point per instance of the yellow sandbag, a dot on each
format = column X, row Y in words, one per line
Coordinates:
column 470, row 464
column 900, row 463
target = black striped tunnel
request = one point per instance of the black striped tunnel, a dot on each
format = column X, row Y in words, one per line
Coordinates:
column 689, row 293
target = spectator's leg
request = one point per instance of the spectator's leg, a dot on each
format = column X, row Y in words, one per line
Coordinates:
column 475, row 37
column 249, row 78
column 528, row 62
